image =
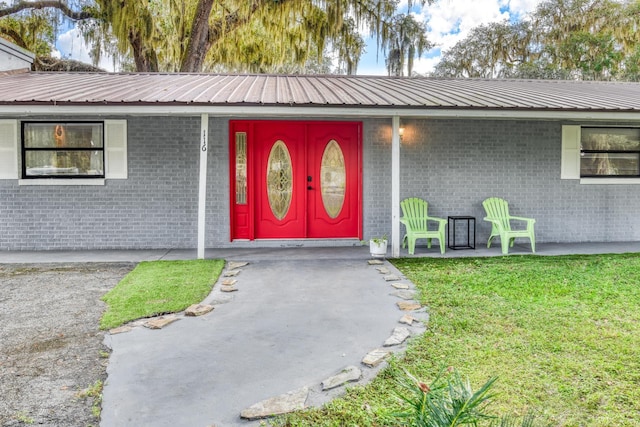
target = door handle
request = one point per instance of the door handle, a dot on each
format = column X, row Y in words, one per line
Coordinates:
column 309, row 187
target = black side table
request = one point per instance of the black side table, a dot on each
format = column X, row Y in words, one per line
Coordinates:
column 451, row 232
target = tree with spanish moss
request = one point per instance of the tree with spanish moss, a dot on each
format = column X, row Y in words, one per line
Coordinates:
column 202, row 35
column 406, row 40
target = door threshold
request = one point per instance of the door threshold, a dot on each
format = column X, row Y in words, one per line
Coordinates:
column 296, row 243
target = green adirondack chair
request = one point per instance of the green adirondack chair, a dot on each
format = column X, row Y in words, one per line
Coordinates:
column 498, row 214
column 416, row 222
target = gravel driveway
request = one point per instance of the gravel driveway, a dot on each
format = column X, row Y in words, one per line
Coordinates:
column 50, row 346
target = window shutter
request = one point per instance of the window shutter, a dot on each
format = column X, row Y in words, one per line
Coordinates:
column 9, row 149
column 115, row 149
column 570, row 168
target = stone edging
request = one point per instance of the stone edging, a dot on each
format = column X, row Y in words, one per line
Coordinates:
column 414, row 318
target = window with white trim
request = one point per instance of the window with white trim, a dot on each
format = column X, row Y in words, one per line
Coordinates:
column 601, row 154
column 62, row 150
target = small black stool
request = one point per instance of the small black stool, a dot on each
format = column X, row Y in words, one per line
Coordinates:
column 451, row 232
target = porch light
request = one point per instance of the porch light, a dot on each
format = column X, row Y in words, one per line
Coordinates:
column 401, row 132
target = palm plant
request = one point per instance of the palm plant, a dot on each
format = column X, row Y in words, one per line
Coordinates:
column 447, row 401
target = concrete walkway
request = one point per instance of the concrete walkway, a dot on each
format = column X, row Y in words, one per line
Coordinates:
column 300, row 315
column 292, row 324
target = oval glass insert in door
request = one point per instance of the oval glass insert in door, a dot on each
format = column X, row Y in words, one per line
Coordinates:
column 333, row 178
column 279, row 180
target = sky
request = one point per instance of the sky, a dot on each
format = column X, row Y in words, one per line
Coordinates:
column 448, row 21
column 71, row 45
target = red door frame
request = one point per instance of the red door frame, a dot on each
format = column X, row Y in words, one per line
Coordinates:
column 240, row 215
column 243, row 216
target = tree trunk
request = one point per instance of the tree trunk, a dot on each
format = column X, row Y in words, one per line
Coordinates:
column 146, row 60
column 203, row 35
column 199, row 42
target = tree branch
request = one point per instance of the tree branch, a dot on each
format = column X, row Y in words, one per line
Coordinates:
column 43, row 4
column 16, row 38
column 232, row 21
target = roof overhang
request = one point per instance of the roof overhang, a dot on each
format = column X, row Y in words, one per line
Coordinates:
column 15, row 50
column 253, row 111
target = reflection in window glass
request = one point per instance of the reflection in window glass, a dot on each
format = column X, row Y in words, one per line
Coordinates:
column 610, row 152
column 241, row 168
column 333, row 177
column 609, row 164
column 74, row 150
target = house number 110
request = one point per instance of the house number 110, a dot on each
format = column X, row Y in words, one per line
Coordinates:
column 204, row 140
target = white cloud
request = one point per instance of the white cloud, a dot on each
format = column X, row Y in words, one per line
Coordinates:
column 522, row 7
column 449, row 21
column 425, row 65
column 71, row 45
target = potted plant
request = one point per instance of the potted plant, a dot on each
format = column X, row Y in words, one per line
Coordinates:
column 378, row 246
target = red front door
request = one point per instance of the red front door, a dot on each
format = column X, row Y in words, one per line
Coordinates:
column 304, row 180
column 279, row 178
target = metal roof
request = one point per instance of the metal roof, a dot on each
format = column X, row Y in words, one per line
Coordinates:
column 32, row 88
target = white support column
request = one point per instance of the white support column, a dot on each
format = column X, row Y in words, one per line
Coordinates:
column 395, row 187
column 202, row 183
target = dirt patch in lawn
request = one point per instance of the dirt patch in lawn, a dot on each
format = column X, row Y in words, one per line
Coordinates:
column 51, row 350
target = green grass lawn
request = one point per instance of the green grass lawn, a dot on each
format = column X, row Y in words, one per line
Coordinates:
column 562, row 334
column 159, row 287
